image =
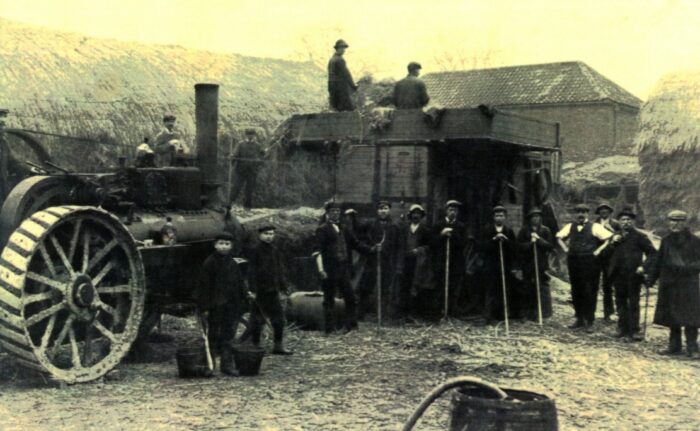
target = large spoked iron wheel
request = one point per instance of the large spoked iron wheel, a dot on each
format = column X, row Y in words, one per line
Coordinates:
column 72, row 292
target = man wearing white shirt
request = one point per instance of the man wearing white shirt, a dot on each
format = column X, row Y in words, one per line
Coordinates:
column 586, row 241
column 604, row 218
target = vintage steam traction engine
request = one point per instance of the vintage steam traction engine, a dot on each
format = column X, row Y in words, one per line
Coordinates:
column 83, row 266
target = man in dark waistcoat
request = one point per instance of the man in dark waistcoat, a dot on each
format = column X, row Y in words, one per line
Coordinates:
column 495, row 237
column 449, row 227
column 532, row 235
column 222, row 299
column 676, row 267
column 340, row 82
column 334, row 243
column 416, row 283
column 604, row 218
column 267, row 278
column 626, row 271
column 410, row 92
column 586, row 241
column 386, row 235
column 246, row 161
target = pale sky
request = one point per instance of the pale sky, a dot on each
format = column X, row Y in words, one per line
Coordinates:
column 632, row 42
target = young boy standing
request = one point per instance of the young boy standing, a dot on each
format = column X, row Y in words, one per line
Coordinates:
column 221, row 299
column 267, row 279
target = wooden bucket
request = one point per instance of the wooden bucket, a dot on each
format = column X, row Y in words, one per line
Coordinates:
column 482, row 406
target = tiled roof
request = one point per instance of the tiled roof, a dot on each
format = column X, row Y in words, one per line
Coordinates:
column 566, row 82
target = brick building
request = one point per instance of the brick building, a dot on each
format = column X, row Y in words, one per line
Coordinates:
column 598, row 117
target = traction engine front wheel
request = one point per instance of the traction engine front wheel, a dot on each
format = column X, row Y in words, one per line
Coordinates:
column 72, row 292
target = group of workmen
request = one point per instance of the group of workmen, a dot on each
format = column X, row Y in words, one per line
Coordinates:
column 409, row 93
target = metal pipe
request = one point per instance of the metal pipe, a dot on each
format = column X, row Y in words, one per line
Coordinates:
column 206, row 113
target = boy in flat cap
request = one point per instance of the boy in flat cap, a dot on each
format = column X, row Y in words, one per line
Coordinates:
column 340, row 82
column 416, row 283
column 410, row 92
column 497, row 236
column 246, row 161
column 676, row 267
column 222, row 299
column 586, row 241
column 535, row 235
column 604, row 218
column 267, row 278
column 630, row 250
column 449, row 227
column 386, row 235
column 333, row 245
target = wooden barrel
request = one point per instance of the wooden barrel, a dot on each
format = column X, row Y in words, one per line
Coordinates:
column 482, row 406
column 306, row 310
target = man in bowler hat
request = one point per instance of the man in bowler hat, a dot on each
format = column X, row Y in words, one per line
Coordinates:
column 340, row 82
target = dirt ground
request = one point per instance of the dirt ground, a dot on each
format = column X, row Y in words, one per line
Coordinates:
column 366, row 381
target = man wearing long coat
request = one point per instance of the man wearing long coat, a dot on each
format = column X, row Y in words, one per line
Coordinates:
column 416, row 283
column 340, row 82
column 535, row 235
column 495, row 237
column 676, row 267
column 452, row 230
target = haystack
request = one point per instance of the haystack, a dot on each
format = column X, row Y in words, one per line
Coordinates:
column 668, row 146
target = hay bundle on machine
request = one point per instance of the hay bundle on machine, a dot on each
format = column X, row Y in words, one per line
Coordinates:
column 667, row 145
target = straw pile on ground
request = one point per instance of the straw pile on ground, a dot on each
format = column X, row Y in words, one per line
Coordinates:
column 668, row 145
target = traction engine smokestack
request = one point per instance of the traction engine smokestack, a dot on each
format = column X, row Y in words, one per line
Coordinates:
column 206, row 114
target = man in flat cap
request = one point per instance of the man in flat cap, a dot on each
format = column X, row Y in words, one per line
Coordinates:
column 386, row 235
column 604, row 218
column 449, row 227
column 498, row 237
column 167, row 142
column 410, row 92
column 416, row 283
column 586, row 241
column 534, row 235
column 246, row 161
column 676, row 267
column 333, row 244
column 631, row 249
column 267, row 277
column 340, row 82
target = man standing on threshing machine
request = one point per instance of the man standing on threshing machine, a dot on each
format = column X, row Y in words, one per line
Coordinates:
column 340, row 82
column 410, row 92
column 535, row 241
column 498, row 248
column 625, row 270
column 449, row 241
column 416, row 282
column 246, row 161
column 604, row 218
column 586, row 242
column 267, row 278
column 676, row 266
column 387, row 262
column 168, row 144
column 334, row 242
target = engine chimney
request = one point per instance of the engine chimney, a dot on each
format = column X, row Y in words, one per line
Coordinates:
column 206, row 114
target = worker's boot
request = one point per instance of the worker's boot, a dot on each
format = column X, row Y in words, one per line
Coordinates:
column 674, row 343
column 580, row 323
column 280, row 350
column 226, row 364
column 328, row 321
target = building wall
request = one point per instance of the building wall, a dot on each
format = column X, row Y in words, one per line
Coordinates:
column 588, row 131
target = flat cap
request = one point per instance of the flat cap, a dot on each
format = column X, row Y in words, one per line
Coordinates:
column 453, row 203
column 414, row 65
column 169, row 117
column 581, row 207
column 628, row 212
column 603, row 205
column 499, row 209
column 534, row 211
column 331, row 205
column 266, row 228
column 226, row 236
column 340, row 43
column 678, row 215
column 250, row 131
column 383, row 203
column 417, row 208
